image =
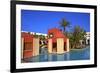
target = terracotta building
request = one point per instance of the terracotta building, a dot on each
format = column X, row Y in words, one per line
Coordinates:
column 29, row 45
column 57, row 42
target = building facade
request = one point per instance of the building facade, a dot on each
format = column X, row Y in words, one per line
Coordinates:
column 57, row 42
column 29, row 45
column 86, row 41
column 87, row 38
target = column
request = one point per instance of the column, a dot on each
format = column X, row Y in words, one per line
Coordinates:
column 68, row 45
column 86, row 42
column 35, row 46
column 50, row 45
column 22, row 47
column 60, row 45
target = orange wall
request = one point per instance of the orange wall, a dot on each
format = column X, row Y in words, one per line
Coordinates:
column 28, row 38
column 56, row 34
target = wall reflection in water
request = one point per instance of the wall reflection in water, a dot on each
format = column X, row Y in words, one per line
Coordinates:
column 72, row 55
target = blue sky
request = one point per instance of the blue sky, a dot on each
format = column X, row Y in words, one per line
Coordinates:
column 41, row 21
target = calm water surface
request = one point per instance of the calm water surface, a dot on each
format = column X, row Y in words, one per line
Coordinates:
column 80, row 54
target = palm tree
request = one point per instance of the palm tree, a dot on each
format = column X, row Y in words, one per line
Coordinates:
column 42, row 37
column 35, row 35
column 64, row 23
column 77, row 35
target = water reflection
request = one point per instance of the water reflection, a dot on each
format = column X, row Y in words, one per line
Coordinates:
column 72, row 55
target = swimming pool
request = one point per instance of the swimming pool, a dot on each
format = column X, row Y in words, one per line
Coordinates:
column 74, row 54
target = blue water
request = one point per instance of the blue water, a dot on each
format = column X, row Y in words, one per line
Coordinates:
column 81, row 54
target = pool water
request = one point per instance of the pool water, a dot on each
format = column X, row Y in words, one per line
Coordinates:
column 75, row 54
